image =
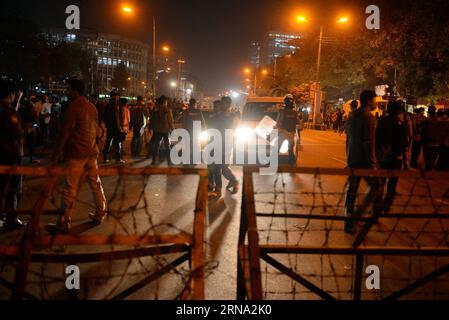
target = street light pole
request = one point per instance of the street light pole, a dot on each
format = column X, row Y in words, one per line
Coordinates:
column 318, row 62
column 275, row 66
column 317, row 78
column 255, row 83
column 154, row 59
column 180, row 63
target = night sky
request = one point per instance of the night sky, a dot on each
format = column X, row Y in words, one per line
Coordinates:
column 212, row 35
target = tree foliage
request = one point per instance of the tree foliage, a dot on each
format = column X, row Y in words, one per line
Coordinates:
column 121, row 75
column 29, row 58
column 411, row 51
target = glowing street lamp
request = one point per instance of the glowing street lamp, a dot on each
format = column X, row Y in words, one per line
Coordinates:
column 301, row 19
column 173, row 84
column 248, row 72
column 343, row 20
column 127, row 9
column 166, row 49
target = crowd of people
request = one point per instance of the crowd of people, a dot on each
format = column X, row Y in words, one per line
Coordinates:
column 334, row 120
column 71, row 130
column 385, row 143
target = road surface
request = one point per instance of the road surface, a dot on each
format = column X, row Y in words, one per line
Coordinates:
column 170, row 202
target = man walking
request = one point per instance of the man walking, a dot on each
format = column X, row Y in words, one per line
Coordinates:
column 78, row 145
column 139, row 120
column 418, row 120
column 189, row 116
column 113, row 124
column 287, row 122
column 222, row 121
column 161, row 124
column 361, row 155
column 11, row 153
column 392, row 140
column 432, row 131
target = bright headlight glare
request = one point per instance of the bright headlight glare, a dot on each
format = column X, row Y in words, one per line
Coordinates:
column 244, row 134
column 204, row 136
column 284, row 147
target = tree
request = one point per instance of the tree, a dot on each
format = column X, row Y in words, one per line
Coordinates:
column 411, row 51
column 28, row 58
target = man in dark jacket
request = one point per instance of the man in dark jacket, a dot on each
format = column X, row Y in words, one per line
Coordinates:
column 189, row 116
column 113, row 125
column 78, row 146
column 161, row 123
column 11, row 153
column 418, row 120
column 222, row 121
column 139, row 120
column 392, row 140
column 361, row 155
column 432, row 131
column 287, row 122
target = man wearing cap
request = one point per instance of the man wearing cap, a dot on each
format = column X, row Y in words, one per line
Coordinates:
column 288, row 120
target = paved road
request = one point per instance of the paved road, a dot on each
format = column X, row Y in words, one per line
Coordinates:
column 171, row 202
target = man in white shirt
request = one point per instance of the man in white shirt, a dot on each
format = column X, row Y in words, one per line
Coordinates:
column 45, row 120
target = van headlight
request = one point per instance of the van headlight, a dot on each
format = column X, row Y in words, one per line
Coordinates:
column 243, row 134
column 204, row 136
column 284, row 147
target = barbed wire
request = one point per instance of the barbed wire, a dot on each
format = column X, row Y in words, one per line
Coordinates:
column 296, row 214
column 132, row 211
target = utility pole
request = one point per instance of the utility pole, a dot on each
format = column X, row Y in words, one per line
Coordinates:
column 275, row 66
column 255, row 83
column 154, row 59
column 180, row 63
column 317, row 98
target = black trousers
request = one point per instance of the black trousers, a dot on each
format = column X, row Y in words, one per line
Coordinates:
column 430, row 156
column 391, row 183
column 443, row 159
column 217, row 171
column 136, row 143
column 373, row 195
column 113, row 138
column 416, row 152
column 155, row 145
column 10, row 192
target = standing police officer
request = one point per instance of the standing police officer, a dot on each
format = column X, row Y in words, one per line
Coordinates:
column 288, row 120
column 189, row 116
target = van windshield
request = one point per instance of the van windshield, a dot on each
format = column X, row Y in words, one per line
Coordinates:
column 256, row 111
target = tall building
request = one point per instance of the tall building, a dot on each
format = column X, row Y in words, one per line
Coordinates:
column 254, row 54
column 278, row 44
column 111, row 50
column 108, row 51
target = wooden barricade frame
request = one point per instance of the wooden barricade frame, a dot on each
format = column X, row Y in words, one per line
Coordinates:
column 191, row 245
column 250, row 252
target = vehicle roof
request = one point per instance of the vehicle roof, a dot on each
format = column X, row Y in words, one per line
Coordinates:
column 265, row 99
